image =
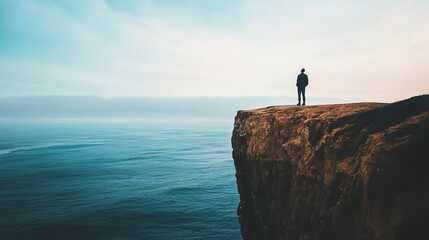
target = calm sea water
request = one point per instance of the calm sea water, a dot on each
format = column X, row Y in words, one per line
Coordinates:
column 117, row 181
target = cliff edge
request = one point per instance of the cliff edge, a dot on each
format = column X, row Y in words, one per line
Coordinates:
column 347, row 171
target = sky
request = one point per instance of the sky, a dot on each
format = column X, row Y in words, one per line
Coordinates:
column 364, row 50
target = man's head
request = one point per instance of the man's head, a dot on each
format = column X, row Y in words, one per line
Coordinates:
column 302, row 70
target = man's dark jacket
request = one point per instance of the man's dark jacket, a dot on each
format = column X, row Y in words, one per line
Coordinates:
column 302, row 80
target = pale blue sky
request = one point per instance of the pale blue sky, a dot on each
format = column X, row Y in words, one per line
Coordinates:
column 366, row 50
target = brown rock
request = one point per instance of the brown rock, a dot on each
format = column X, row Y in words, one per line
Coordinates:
column 349, row 171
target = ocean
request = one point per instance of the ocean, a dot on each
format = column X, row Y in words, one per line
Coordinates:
column 117, row 181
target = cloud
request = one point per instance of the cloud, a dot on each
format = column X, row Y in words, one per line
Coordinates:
column 366, row 50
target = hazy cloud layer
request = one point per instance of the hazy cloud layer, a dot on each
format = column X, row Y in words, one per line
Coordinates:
column 29, row 109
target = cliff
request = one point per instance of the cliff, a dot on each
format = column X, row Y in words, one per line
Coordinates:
column 349, row 171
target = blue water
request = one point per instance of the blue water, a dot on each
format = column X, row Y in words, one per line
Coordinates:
column 117, row 181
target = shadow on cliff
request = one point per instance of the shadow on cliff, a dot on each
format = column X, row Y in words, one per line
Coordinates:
column 403, row 170
column 379, row 119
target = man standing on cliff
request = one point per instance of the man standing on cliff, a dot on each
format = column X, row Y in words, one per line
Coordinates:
column 301, row 83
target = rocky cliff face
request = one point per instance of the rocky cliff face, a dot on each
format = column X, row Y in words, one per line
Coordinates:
column 350, row 171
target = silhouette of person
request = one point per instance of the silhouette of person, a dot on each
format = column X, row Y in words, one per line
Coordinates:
column 301, row 83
